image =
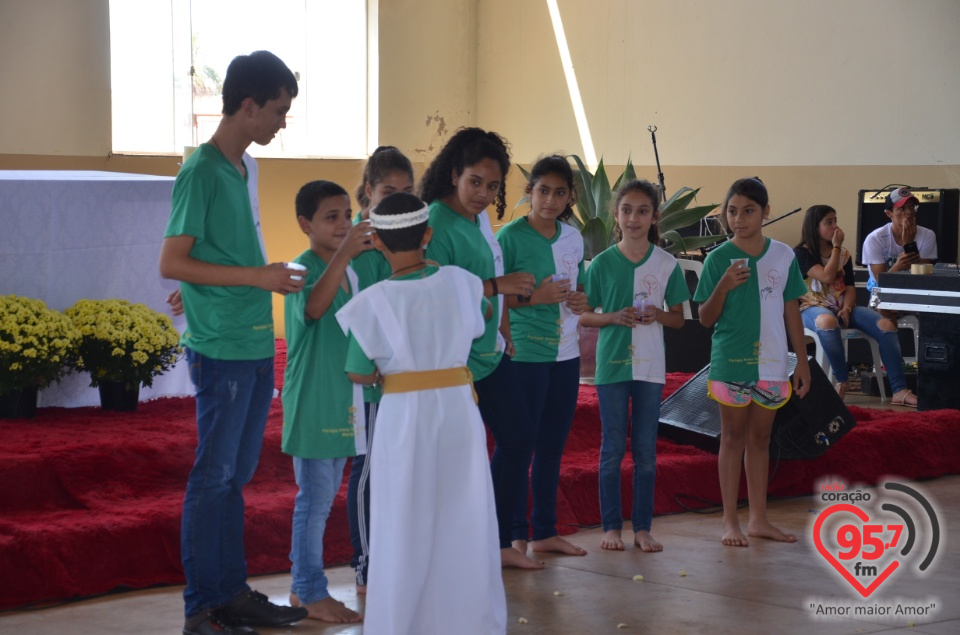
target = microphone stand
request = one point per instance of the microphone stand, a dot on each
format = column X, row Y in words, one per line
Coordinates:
column 773, row 220
column 656, row 155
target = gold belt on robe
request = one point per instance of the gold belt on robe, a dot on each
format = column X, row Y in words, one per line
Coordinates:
column 428, row 379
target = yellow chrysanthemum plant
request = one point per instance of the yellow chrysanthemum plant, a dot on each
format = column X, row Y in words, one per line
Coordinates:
column 36, row 343
column 123, row 342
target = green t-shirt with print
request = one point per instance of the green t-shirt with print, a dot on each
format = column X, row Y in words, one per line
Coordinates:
column 543, row 332
column 613, row 283
column 749, row 339
column 211, row 204
column 322, row 409
column 459, row 241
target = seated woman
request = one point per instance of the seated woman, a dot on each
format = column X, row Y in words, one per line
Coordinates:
column 829, row 303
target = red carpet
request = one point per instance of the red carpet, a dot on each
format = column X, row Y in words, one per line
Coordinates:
column 90, row 500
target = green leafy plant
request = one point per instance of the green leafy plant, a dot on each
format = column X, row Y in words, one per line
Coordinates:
column 676, row 214
column 593, row 213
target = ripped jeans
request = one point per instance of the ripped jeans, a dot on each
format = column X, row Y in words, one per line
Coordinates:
column 233, row 399
column 865, row 320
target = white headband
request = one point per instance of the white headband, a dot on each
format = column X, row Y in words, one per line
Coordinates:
column 399, row 221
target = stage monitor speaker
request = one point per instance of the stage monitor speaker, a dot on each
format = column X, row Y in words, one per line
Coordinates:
column 938, row 361
column 803, row 428
column 939, row 211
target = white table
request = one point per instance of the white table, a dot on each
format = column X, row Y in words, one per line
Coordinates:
column 65, row 236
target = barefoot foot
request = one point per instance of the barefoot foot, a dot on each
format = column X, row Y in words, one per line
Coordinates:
column 328, row 610
column 556, row 544
column 842, row 389
column 520, row 545
column 510, row 557
column 763, row 529
column 361, row 589
column 645, row 541
column 611, row 540
column 732, row 536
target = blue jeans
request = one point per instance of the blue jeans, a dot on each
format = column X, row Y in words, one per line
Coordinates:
column 233, row 400
column 551, row 390
column 319, row 481
column 505, row 412
column 644, row 419
column 358, row 503
column 866, row 320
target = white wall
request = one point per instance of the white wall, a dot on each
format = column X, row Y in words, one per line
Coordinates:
column 729, row 83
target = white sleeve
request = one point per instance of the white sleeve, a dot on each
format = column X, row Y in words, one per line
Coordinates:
column 927, row 243
column 874, row 250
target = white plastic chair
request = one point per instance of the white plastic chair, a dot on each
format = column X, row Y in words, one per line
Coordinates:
column 911, row 322
column 847, row 335
column 696, row 267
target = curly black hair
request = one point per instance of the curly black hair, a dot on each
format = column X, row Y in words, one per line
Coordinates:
column 468, row 146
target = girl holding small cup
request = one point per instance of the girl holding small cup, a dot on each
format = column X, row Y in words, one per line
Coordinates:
column 632, row 281
column 544, row 330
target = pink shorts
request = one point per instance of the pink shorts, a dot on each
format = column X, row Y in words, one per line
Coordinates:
column 767, row 394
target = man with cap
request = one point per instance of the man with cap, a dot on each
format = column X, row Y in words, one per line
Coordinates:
column 901, row 242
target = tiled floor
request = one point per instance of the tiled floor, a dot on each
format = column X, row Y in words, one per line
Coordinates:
column 695, row 585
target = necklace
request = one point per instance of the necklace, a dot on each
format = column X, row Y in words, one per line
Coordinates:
column 420, row 264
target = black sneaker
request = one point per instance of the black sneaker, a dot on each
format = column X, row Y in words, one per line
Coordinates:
column 254, row 609
column 215, row 622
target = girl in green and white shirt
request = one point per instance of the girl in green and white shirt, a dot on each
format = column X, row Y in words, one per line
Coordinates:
column 544, row 330
column 632, row 282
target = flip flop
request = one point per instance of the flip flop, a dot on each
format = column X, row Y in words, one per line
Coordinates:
column 902, row 400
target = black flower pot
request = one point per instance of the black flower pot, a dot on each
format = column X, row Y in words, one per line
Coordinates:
column 118, row 396
column 19, row 403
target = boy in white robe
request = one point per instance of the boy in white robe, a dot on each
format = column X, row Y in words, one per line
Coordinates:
column 431, row 491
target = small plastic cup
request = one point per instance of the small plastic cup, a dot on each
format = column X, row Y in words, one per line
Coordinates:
column 295, row 266
column 740, row 262
column 642, row 305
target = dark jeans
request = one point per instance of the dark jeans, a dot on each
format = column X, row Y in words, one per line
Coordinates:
column 358, row 503
column 506, row 414
column 233, row 400
column 551, row 390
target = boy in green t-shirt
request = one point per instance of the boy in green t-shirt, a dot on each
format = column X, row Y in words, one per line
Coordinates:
column 212, row 246
column 323, row 415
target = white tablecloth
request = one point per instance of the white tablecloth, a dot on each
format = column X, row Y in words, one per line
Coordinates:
column 71, row 235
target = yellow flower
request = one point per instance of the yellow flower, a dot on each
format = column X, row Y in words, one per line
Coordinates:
column 34, row 342
column 123, row 341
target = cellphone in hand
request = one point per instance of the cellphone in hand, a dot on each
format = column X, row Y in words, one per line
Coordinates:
column 911, row 248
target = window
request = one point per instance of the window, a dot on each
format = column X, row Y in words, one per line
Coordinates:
column 160, row 106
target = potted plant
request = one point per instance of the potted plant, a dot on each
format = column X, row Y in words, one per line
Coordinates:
column 35, row 344
column 122, row 346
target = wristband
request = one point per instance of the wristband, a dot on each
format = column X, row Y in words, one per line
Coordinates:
column 836, row 249
column 523, row 299
column 493, row 287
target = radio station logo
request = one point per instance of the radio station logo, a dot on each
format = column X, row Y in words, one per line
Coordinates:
column 869, row 539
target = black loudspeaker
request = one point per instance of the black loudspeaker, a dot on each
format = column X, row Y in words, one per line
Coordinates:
column 938, row 361
column 939, row 211
column 687, row 349
column 803, row 428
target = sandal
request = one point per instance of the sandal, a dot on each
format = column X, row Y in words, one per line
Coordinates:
column 901, row 399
